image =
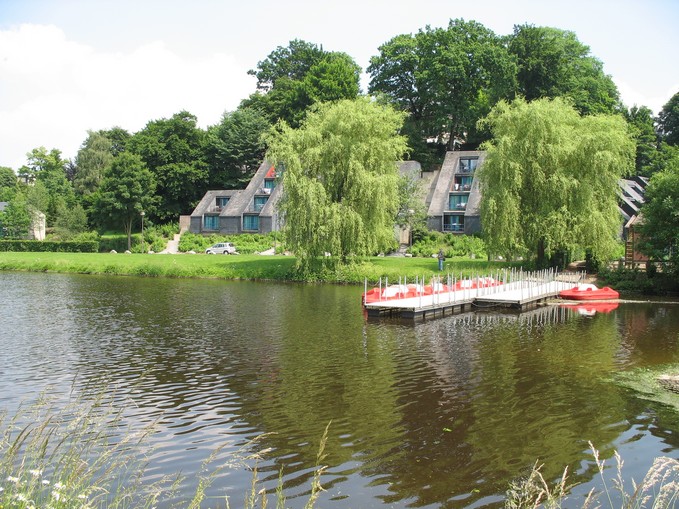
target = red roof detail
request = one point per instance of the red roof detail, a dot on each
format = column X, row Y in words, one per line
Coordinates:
column 271, row 173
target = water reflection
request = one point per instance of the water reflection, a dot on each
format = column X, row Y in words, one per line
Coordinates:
column 442, row 413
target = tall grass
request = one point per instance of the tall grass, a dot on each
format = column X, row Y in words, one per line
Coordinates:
column 76, row 456
column 659, row 488
column 80, row 455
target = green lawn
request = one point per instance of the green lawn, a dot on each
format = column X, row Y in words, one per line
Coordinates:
column 239, row 266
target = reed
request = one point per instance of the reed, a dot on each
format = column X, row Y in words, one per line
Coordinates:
column 75, row 456
column 80, row 455
column 659, row 488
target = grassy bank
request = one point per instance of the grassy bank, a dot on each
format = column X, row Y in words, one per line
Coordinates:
column 252, row 267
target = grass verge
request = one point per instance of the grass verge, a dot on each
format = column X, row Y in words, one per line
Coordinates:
column 249, row 267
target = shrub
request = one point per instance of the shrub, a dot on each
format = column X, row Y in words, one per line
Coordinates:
column 42, row 246
column 246, row 243
column 452, row 245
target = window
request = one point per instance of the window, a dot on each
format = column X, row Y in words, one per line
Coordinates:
column 269, row 183
column 468, row 164
column 453, row 223
column 259, row 202
column 457, row 201
column 250, row 222
column 463, row 183
column 210, row 222
column 222, row 201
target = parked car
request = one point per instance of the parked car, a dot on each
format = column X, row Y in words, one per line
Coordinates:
column 221, row 248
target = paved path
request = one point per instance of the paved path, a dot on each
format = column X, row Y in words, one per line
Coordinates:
column 172, row 245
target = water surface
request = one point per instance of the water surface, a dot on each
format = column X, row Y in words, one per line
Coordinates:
column 443, row 413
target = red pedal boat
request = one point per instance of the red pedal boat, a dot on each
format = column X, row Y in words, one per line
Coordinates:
column 591, row 308
column 589, row 292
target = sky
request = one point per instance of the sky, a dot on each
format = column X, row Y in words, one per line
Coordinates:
column 69, row 66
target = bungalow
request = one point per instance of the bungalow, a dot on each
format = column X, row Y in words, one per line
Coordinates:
column 250, row 210
column 452, row 198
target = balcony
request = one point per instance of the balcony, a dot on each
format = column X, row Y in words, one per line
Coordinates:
column 453, row 228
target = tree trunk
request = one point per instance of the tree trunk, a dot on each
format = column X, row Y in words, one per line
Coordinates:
column 541, row 262
column 128, row 230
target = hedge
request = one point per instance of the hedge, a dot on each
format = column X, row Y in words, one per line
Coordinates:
column 42, row 246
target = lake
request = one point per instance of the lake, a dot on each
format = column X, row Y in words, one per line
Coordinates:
column 440, row 413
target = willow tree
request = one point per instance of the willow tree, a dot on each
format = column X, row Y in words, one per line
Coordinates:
column 340, row 179
column 550, row 179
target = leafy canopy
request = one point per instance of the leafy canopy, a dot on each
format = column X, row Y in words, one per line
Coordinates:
column 173, row 149
column 554, row 63
column 235, row 148
column 445, row 78
column 127, row 189
column 660, row 225
column 550, row 179
column 668, row 121
column 340, row 179
column 293, row 78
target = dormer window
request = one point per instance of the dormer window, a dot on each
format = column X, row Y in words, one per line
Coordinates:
column 468, row 164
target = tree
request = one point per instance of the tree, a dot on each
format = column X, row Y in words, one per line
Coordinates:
column 549, row 182
column 8, row 183
column 50, row 169
column 554, row 63
column 291, row 62
column 92, row 161
column 445, row 78
column 660, row 212
column 15, row 220
column 340, row 179
column 127, row 189
column 294, row 78
column 7, row 177
column 333, row 78
column 235, row 148
column 640, row 120
column 71, row 222
column 668, row 121
column 173, row 149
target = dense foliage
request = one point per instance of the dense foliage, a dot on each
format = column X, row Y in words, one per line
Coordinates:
column 668, row 121
column 554, row 63
column 660, row 223
column 550, row 180
column 246, row 243
column 445, row 79
column 340, row 179
column 452, row 245
column 126, row 192
column 43, row 246
column 293, row 78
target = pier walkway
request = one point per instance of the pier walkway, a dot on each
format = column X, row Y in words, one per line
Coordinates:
column 512, row 289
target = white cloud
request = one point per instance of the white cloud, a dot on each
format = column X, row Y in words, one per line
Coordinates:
column 52, row 90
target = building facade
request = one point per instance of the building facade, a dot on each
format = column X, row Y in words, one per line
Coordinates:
column 451, row 195
column 249, row 210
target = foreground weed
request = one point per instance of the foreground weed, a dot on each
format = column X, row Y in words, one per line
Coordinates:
column 74, row 457
column 658, row 490
column 80, row 455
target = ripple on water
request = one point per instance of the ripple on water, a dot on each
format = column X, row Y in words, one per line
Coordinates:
column 439, row 413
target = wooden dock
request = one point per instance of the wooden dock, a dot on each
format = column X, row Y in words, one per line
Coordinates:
column 516, row 290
